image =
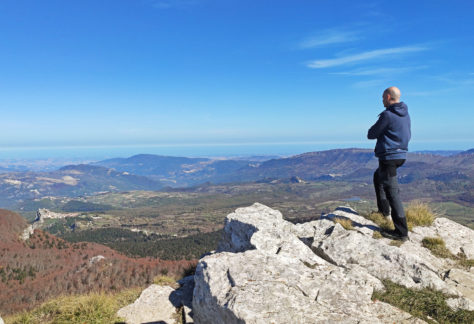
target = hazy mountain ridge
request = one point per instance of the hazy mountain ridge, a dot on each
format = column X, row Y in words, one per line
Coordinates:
column 69, row 181
column 155, row 172
column 345, row 164
column 177, row 171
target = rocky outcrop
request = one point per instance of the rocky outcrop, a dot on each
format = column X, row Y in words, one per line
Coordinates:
column 161, row 304
column 267, row 270
column 41, row 215
column 152, row 305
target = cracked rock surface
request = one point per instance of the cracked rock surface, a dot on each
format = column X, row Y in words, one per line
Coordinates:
column 267, row 270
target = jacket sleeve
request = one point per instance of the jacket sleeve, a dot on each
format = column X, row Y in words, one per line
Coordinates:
column 378, row 128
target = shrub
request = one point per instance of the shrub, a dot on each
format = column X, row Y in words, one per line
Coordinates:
column 419, row 213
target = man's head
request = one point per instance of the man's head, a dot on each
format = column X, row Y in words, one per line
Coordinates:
column 390, row 96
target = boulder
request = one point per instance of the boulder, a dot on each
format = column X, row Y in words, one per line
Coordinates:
column 153, row 305
column 266, row 272
column 160, row 304
column 346, row 248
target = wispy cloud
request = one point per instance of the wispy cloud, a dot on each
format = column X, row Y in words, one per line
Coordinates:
column 368, row 83
column 328, row 37
column 365, row 56
column 381, row 71
column 429, row 93
column 455, row 81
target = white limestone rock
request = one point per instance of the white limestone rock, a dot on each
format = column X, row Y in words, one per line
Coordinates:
column 153, row 305
column 462, row 281
column 346, row 248
column 255, row 287
column 264, row 272
column 458, row 238
column 460, row 303
column 260, row 227
column 160, row 304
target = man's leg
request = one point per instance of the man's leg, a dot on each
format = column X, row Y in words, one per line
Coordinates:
column 382, row 202
column 390, row 185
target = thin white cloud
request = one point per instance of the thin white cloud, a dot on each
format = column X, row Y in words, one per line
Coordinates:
column 381, row 71
column 365, row 56
column 329, row 37
column 455, row 81
column 368, row 83
column 428, row 93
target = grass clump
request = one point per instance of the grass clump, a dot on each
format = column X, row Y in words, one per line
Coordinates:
column 464, row 262
column 345, row 222
column 91, row 308
column 419, row 213
column 437, row 246
column 165, row 281
column 376, row 235
column 379, row 219
column 427, row 304
column 396, row 243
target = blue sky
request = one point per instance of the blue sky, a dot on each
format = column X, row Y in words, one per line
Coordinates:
column 192, row 72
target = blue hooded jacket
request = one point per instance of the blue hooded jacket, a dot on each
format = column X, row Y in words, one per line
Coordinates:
column 392, row 131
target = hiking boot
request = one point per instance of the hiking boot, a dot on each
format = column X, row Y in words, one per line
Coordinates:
column 394, row 236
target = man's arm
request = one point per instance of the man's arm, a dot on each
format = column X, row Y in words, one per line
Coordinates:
column 377, row 129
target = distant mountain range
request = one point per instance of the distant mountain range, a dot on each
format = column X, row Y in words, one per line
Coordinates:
column 176, row 171
column 69, row 181
column 153, row 172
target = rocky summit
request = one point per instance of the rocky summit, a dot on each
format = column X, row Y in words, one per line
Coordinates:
column 268, row 270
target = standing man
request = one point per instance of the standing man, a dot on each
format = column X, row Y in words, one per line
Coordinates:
column 392, row 131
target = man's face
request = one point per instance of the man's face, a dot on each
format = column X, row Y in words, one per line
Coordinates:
column 386, row 99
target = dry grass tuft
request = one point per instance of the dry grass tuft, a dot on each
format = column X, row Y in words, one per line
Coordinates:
column 427, row 304
column 396, row 243
column 437, row 246
column 376, row 235
column 381, row 221
column 419, row 213
column 346, row 223
column 90, row 308
column 165, row 281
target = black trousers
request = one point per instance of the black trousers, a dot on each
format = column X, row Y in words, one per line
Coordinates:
column 387, row 192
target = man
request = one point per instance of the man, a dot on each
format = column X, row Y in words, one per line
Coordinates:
column 393, row 132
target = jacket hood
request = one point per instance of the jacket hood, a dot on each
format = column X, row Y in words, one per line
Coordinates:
column 399, row 108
